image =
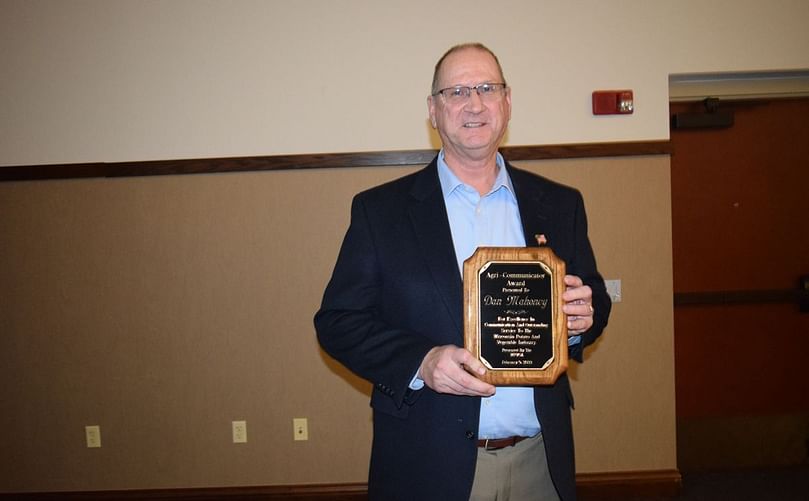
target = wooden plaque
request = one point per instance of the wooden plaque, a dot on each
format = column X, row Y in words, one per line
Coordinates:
column 513, row 319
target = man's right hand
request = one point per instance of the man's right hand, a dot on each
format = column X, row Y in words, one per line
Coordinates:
column 450, row 369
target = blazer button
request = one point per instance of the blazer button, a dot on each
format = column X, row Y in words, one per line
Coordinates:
column 470, row 434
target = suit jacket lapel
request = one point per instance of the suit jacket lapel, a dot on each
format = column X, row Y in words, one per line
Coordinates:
column 532, row 212
column 434, row 239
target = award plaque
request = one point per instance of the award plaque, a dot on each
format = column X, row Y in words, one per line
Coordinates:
column 513, row 319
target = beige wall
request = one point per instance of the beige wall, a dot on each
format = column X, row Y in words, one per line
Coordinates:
column 101, row 80
column 163, row 308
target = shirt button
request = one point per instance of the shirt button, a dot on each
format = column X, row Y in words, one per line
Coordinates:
column 470, row 434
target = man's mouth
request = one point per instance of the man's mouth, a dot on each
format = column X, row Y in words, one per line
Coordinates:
column 473, row 125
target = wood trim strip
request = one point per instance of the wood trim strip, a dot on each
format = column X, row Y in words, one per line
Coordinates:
column 590, row 486
column 715, row 298
column 332, row 492
column 629, row 485
column 312, row 161
column 586, row 150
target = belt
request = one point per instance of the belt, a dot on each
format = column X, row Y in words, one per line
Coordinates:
column 493, row 444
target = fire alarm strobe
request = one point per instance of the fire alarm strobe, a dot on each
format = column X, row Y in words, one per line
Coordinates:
column 613, row 102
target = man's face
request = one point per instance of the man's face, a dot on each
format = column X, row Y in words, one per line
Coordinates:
column 473, row 128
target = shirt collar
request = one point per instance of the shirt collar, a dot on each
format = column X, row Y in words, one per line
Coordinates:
column 450, row 182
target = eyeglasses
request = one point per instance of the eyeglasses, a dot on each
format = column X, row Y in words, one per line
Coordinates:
column 460, row 94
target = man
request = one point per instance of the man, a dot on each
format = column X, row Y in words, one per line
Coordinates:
column 392, row 312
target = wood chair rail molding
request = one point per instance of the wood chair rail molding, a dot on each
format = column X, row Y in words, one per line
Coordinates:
column 313, row 161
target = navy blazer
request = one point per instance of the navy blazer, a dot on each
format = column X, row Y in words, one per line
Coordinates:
column 396, row 292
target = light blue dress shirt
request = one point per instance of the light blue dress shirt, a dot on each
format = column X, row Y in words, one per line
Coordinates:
column 490, row 220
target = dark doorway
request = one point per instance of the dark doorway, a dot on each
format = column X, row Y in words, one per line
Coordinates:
column 740, row 230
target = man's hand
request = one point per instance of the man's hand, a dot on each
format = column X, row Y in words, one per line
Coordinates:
column 578, row 305
column 450, row 369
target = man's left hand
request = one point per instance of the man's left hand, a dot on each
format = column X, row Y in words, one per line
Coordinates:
column 578, row 305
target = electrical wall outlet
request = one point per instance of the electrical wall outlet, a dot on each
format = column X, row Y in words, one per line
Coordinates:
column 300, row 429
column 614, row 290
column 92, row 434
column 239, row 432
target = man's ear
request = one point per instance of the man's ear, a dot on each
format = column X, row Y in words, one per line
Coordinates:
column 508, row 100
column 431, row 110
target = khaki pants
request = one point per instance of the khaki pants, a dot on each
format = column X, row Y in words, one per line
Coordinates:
column 517, row 473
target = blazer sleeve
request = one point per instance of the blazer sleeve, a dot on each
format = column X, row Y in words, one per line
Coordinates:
column 350, row 325
column 583, row 265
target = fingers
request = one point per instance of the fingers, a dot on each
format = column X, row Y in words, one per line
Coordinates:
column 578, row 305
column 450, row 369
column 576, row 290
column 578, row 325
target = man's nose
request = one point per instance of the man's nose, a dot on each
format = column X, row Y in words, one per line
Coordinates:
column 475, row 102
